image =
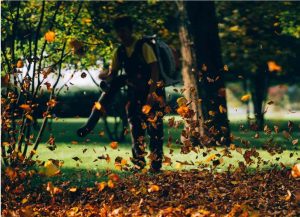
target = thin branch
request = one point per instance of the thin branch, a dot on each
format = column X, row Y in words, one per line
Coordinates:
column 45, row 42
column 36, row 44
column 94, row 81
column 64, row 46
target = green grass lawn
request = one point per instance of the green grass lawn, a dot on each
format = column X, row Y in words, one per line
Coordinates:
column 87, row 170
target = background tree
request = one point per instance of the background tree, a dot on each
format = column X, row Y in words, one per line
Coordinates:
column 259, row 46
column 208, row 70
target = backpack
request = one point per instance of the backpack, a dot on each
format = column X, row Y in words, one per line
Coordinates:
column 168, row 61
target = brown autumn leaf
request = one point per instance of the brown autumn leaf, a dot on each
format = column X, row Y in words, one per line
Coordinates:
column 295, row 141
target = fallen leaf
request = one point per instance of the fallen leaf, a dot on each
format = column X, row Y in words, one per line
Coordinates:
column 153, row 188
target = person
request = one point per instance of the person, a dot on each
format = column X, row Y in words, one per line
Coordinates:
column 139, row 62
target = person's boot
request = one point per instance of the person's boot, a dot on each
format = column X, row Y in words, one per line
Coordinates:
column 91, row 123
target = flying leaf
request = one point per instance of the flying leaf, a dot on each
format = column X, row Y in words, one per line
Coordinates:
column 114, row 145
column 50, row 169
column 25, row 107
column 181, row 101
column 50, row 36
column 222, row 109
column 274, row 67
column 245, row 98
column 20, row 64
column 97, row 105
column 146, row 109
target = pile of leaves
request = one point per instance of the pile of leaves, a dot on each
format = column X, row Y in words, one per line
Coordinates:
column 274, row 192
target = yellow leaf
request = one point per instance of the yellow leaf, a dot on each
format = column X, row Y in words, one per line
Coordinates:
column 50, row 36
column 226, row 68
column 178, row 165
column 181, row 101
column 211, row 113
column 6, row 144
column 114, row 145
column 98, row 105
column 232, row 146
column 210, row 158
column 222, row 109
column 73, row 189
column 245, row 98
column 24, row 200
column 153, row 188
column 110, row 184
column 29, row 117
column 234, row 28
column 51, row 169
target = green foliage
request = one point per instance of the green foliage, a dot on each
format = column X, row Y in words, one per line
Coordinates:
column 254, row 33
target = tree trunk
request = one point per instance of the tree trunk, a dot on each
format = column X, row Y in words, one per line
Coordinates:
column 203, row 26
column 259, row 89
column 189, row 77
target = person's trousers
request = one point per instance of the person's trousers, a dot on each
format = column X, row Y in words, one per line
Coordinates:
column 139, row 123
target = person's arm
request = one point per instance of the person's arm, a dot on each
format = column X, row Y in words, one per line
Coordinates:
column 113, row 68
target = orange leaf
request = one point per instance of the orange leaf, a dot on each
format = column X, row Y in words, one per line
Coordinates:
column 245, row 98
column 50, row 36
column 25, row 107
column 183, row 111
column 52, row 103
column 296, row 170
column 20, row 64
column 273, row 66
column 146, row 109
column 153, row 188
column 101, row 186
column 114, row 145
column 210, row 158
